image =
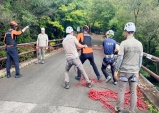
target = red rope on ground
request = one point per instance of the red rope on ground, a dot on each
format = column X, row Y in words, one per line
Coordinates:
column 107, row 96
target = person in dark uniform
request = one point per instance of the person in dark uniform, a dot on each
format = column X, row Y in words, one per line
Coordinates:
column 109, row 45
column 87, row 53
column 10, row 41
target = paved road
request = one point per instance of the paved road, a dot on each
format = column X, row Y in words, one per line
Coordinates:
column 40, row 89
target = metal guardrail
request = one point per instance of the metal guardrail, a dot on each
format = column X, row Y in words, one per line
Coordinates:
column 154, row 59
column 31, row 49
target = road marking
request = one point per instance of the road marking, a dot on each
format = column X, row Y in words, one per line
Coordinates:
column 20, row 107
column 15, row 107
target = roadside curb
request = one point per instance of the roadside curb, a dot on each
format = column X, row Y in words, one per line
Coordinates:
column 28, row 62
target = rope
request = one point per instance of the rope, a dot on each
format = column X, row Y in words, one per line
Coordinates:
column 108, row 96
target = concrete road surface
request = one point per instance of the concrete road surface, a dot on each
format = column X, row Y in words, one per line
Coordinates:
column 40, row 89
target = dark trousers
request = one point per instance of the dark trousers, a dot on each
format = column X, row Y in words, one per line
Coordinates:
column 12, row 54
column 89, row 57
column 105, row 63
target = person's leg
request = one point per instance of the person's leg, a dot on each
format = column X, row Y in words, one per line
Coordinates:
column 112, row 64
column 39, row 54
column 91, row 60
column 43, row 55
column 15, row 57
column 121, row 93
column 79, row 65
column 8, row 63
column 133, row 100
column 104, row 66
column 82, row 59
column 67, row 68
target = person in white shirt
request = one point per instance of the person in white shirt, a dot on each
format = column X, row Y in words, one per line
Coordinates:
column 42, row 45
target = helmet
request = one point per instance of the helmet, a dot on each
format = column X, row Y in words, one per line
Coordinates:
column 85, row 28
column 110, row 32
column 69, row 29
column 130, row 26
column 14, row 23
column 42, row 29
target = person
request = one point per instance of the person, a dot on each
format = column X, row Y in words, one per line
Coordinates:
column 87, row 53
column 128, row 65
column 109, row 45
column 105, row 36
column 10, row 41
column 41, row 45
column 69, row 45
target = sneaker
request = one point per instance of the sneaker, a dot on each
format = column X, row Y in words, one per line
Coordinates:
column 117, row 109
column 90, row 85
column 18, row 76
column 99, row 77
column 115, row 83
column 66, row 85
column 77, row 78
column 42, row 62
column 38, row 62
column 8, row 75
column 108, row 79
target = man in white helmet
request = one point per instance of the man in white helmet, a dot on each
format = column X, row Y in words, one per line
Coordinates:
column 128, row 65
column 72, row 57
column 109, row 45
column 41, row 45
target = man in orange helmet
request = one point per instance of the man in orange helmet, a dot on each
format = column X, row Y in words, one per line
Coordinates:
column 87, row 53
column 10, row 41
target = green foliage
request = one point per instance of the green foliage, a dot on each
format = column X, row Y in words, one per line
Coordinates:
column 2, row 53
column 152, row 109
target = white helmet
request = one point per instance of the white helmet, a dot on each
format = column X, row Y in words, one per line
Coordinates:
column 42, row 29
column 111, row 32
column 69, row 29
column 130, row 26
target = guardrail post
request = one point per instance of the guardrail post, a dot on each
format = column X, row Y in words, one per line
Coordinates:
column 35, row 52
column 49, row 47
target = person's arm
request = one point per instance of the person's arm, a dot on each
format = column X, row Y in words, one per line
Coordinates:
column 17, row 33
column 4, row 41
column 47, row 41
column 119, row 61
column 141, row 57
column 79, row 45
column 120, row 57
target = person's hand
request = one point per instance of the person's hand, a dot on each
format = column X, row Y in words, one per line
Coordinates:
column 46, row 48
column 23, row 30
column 37, row 47
column 85, row 46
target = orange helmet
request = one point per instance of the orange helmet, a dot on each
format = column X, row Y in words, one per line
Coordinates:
column 14, row 23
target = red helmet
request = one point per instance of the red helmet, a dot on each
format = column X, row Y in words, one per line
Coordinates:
column 14, row 23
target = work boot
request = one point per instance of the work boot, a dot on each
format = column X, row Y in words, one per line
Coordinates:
column 66, row 85
column 43, row 61
column 99, row 77
column 90, row 84
column 77, row 78
column 18, row 76
column 8, row 75
column 108, row 79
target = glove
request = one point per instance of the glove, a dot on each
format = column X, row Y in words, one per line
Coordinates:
column 25, row 28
